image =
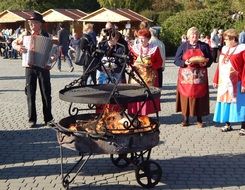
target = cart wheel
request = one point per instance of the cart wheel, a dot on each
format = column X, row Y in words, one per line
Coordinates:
column 121, row 160
column 65, row 184
column 148, row 174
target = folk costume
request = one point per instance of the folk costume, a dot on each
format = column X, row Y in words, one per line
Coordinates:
column 146, row 61
column 192, row 97
column 230, row 76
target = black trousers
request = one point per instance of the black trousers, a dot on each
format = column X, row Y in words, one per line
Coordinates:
column 215, row 54
column 43, row 76
column 89, row 66
column 159, row 71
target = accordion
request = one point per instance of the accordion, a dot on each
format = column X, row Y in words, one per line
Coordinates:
column 38, row 51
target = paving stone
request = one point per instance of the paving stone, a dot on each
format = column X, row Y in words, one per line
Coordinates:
column 190, row 158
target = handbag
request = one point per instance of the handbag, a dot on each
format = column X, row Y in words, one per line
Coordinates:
column 80, row 57
column 83, row 56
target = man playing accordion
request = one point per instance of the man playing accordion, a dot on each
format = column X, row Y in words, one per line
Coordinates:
column 36, row 69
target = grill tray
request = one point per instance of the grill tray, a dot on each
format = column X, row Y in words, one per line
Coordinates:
column 114, row 144
column 99, row 94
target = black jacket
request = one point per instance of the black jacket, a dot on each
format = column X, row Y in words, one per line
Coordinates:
column 118, row 49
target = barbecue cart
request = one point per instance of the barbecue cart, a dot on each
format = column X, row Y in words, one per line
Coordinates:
column 128, row 138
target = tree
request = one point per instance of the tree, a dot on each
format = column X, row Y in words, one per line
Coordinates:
column 191, row 4
column 15, row 4
column 136, row 5
column 205, row 20
column 43, row 5
column 166, row 5
column 239, row 4
column 111, row 3
column 217, row 4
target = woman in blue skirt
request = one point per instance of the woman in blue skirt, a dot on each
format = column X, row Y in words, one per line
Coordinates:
column 230, row 81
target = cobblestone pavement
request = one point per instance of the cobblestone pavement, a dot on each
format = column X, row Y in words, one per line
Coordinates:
column 190, row 158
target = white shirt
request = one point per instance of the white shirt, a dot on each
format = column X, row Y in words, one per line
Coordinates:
column 154, row 40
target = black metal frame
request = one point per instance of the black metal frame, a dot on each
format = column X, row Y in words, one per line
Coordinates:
column 65, row 178
column 137, row 158
column 73, row 110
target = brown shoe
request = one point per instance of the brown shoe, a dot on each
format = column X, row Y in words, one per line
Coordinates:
column 200, row 125
column 184, row 124
column 185, row 121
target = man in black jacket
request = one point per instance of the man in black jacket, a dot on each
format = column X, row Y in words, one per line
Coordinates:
column 64, row 41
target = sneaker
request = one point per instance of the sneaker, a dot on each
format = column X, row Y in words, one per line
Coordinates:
column 242, row 132
column 31, row 124
column 59, row 70
column 72, row 68
column 226, row 128
column 50, row 123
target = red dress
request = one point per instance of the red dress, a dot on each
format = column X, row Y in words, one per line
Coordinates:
column 152, row 58
column 238, row 62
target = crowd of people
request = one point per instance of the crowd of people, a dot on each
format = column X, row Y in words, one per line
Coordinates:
column 147, row 55
column 6, row 38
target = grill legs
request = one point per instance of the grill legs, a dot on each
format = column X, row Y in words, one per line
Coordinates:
column 79, row 165
column 148, row 173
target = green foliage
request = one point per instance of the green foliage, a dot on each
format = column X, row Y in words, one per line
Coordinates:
column 238, row 5
column 217, row 4
column 84, row 5
column 205, row 20
column 157, row 17
column 15, row 5
column 136, row 5
column 192, row 5
column 150, row 14
column 164, row 15
column 239, row 26
column 166, row 5
column 43, row 5
column 111, row 3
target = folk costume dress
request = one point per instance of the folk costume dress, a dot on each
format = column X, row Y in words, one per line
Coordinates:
column 151, row 57
column 230, row 76
column 192, row 97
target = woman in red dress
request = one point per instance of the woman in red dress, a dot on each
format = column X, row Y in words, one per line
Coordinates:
column 147, row 60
